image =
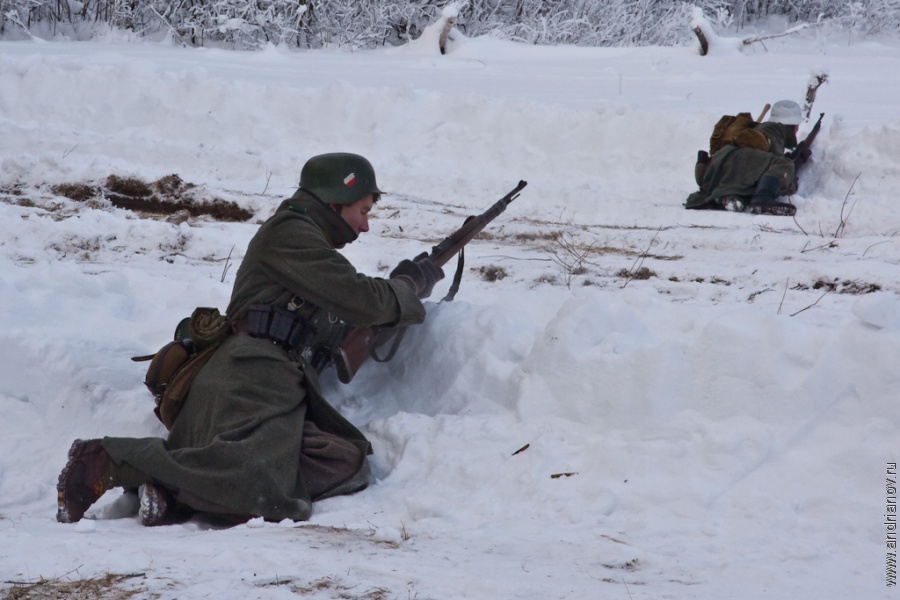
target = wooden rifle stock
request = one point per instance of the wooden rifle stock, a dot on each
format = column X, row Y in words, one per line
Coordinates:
column 359, row 344
column 355, row 348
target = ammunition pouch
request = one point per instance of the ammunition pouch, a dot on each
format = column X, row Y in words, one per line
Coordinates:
column 282, row 326
column 309, row 334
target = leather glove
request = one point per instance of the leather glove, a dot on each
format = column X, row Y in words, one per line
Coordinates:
column 420, row 273
column 801, row 154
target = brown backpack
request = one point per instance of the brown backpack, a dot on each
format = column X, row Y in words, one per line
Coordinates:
column 738, row 130
column 173, row 368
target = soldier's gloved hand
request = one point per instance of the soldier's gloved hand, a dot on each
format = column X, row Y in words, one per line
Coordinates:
column 802, row 154
column 421, row 273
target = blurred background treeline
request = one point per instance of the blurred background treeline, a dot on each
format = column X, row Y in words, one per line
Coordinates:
column 249, row 24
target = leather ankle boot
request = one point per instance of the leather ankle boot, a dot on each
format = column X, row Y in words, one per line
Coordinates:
column 88, row 473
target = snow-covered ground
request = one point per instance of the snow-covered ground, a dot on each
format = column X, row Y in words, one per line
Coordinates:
column 721, row 429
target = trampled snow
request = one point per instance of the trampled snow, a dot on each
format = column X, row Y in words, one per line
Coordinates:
column 720, row 429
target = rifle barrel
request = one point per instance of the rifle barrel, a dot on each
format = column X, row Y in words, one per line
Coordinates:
column 449, row 246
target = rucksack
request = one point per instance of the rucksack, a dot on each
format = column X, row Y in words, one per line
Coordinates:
column 174, row 366
column 738, row 130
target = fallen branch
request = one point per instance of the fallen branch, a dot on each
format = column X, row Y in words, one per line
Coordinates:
column 169, row 25
column 760, row 38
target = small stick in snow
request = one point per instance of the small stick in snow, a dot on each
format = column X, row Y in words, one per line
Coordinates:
column 227, row 264
column 704, row 45
column 640, row 259
column 811, row 305
column 786, row 283
column 840, row 230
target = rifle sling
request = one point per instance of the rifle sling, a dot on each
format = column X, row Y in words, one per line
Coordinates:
column 457, row 277
column 397, row 334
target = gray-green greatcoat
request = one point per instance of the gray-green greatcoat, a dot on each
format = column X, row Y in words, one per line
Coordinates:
column 735, row 171
column 236, row 444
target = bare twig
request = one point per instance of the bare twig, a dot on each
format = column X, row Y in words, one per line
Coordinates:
column 404, row 534
column 753, row 296
column 227, row 264
column 507, row 257
column 786, row 283
column 794, row 216
column 875, row 244
column 640, row 259
column 830, row 244
column 572, row 259
column 813, row 304
column 840, row 230
column 268, row 178
column 69, row 151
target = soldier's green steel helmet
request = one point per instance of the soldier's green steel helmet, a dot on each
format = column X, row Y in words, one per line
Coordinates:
column 338, row 177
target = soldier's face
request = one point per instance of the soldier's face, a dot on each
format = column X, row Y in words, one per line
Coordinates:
column 357, row 214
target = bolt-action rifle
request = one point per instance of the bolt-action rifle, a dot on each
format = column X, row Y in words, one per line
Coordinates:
column 362, row 342
column 802, row 152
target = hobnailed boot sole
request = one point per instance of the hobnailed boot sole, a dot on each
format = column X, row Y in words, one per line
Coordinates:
column 780, row 209
column 155, row 504
column 733, row 203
